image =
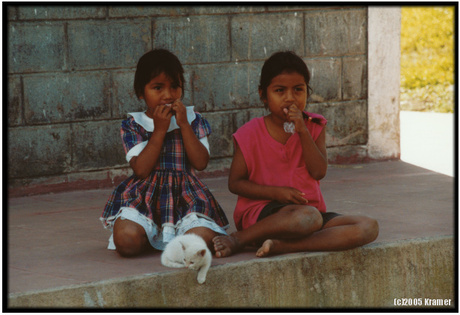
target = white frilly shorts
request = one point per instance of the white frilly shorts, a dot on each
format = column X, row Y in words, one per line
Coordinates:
column 159, row 238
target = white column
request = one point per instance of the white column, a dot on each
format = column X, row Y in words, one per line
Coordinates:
column 384, row 54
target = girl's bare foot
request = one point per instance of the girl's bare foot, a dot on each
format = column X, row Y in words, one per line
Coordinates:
column 226, row 245
column 267, row 248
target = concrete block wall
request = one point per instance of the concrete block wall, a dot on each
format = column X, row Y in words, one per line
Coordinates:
column 71, row 68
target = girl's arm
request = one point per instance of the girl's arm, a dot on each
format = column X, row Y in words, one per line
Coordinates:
column 314, row 152
column 144, row 163
column 197, row 153
column 239, row 184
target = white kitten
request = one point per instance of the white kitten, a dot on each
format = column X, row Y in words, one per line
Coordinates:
column 189, row 251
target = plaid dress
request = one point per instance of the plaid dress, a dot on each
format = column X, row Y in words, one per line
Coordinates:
column 172, row 190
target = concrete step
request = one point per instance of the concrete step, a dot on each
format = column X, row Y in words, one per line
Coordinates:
column 417, row 272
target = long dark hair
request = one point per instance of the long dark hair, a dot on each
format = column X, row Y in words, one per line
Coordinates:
column 284, row 61
column 152, row 64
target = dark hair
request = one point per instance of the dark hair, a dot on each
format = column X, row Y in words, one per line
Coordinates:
column 154, row 63
column 284, row 61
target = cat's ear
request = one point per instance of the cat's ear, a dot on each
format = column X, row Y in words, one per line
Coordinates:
column 202, row 252
column 183, row 247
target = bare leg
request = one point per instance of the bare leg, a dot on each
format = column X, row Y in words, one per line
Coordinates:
column 340, row 233
column 206, row 234
column 130, row 238
column 292, row 221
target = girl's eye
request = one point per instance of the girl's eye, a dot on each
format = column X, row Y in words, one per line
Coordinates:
column 279, row 90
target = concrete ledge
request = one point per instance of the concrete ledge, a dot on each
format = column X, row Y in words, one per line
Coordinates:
column 369, row 277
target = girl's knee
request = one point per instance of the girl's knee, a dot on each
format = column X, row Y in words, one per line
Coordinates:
column 368, row 230
column 129, row 238
column 372, row 229
column 306, row 219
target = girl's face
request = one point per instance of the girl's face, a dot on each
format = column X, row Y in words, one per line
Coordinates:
column 161, row 90
column 284, row 90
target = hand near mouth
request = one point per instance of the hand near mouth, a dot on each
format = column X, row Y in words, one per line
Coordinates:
column 180, row 112
column 294, row 116
column 161, row 117
column 170, row 106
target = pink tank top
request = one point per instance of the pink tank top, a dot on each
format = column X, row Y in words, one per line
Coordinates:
column 270, row 162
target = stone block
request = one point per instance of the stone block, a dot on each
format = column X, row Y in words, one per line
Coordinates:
column 100, row 179
column 187, row 92
column 66, row 97
column 220, row 140
column 56, row 12
column 97, row 145
column 35, row 47
column 107, row 44
column 259, row 36
column 194, row 39
column 348, row 154
column 148, row 10
column 19, row 187
column 325, row 79
column 11, row 13
column 226, row 86
column 226, row 9
column 216, row 167
column 354, row 78
column 14, row 104
column 347, row 122
column 173, row 11
column 38, row 151
column 296, row 8
column 256, row 112
column 124, row 97
column 335, row 32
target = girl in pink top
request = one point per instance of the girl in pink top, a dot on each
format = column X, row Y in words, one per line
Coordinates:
column 276, row 174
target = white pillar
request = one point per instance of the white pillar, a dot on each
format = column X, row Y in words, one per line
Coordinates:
column 384, row 55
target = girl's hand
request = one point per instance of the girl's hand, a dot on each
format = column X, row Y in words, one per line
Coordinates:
column 181, row 113
column 162, row 117
column 290, row 195
column 294, row 114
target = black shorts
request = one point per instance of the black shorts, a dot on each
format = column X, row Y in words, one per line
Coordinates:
column 275, row 206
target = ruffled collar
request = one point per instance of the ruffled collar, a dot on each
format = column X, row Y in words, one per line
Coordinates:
column 147, row 123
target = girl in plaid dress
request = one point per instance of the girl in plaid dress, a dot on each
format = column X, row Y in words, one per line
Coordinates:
column 163, row 145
